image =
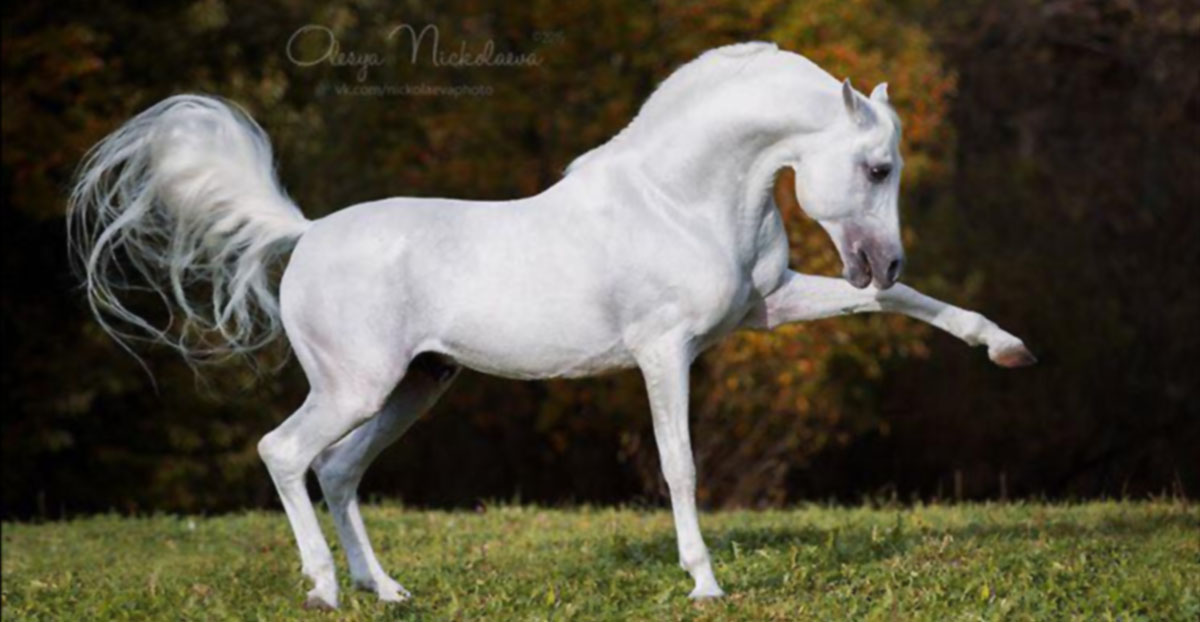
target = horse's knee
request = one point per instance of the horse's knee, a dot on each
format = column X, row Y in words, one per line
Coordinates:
column 680, row 473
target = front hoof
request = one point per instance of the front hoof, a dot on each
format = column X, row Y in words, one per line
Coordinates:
column 1013, row 356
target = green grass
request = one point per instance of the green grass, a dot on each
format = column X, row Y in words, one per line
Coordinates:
column 1097, row 561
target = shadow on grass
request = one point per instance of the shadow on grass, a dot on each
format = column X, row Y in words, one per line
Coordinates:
column 864, row 544
column 820, row 548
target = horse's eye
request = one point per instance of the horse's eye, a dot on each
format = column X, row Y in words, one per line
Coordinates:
column 879, row 172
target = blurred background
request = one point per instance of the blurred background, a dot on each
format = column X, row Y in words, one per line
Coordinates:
column 1053, row 183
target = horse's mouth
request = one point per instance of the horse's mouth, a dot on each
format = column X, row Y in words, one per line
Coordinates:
column 857, row 270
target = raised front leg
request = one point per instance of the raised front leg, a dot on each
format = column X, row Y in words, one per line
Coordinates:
column 804, row 297
column 665, row 368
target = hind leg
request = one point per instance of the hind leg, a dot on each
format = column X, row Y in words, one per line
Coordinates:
column 348, row 386
column 340, row 468
column 288, row 450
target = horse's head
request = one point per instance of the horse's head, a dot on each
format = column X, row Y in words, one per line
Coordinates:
column 849, row 181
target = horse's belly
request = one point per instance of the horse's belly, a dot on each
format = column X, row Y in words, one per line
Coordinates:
column 544, row 364
column 525, row 351
column 524, row 332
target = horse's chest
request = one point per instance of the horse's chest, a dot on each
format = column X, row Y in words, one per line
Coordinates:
column 758, row 274
column 712, row 297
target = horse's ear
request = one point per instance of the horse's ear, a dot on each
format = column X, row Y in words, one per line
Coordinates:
column 879, row 94
column 850, row 100
column 785, row 191
column 855, row 108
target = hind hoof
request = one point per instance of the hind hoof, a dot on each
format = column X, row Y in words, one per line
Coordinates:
column 708, row 592
column 315, row 602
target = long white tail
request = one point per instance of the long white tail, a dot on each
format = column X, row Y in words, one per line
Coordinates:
column 183, row 202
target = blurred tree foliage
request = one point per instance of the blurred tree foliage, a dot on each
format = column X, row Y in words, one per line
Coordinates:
column 1058, row 207
column 1074, row 207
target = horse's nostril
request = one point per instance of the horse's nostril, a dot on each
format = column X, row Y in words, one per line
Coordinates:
column 893, row 270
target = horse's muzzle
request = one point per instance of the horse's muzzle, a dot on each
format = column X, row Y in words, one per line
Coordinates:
column 869, row 261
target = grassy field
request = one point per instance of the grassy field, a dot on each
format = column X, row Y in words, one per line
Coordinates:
column 1098, row 561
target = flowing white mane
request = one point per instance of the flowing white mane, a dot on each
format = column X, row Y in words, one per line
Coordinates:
column 711, row 70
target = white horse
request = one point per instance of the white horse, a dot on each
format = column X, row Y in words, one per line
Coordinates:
column 650, row 249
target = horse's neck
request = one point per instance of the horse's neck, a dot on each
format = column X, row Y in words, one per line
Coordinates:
column 730, row 160
column 727, row 182
column 718, row 163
